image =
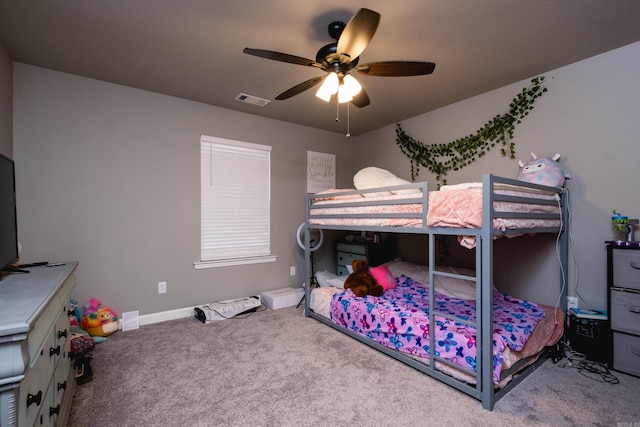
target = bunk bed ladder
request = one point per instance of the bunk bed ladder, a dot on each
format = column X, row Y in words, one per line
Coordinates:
column 474, row 391
column 484, row 296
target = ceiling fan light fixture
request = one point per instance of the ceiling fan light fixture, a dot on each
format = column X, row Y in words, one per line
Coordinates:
column 348, row 89
column 328, row 87
column 344, row 95
column 351, row 85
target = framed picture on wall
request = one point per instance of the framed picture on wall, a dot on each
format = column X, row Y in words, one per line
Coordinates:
column 321, row 171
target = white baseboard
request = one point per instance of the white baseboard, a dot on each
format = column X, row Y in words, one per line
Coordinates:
column 163, row 316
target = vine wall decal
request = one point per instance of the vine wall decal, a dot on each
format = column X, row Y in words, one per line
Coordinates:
column 442, row 158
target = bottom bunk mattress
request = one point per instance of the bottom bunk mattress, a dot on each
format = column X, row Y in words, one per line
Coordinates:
column 399, row 319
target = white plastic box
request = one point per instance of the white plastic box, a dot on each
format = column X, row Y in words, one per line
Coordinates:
column 280, row 298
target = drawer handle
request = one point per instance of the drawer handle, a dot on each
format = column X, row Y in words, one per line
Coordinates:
column 635, row 265
column 53, row 351
column 62, row 334
column 54, row 411
column 62, row 386
column 634, row 310
column 34, row 398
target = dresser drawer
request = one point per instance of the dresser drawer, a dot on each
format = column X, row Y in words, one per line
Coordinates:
column 48, row 412
column 625, row 311
column 42, row 328
column 626, row 268
column 626, row 353
column 346, row 258
column 354, row 249
column 35, row 386
column 62, row 333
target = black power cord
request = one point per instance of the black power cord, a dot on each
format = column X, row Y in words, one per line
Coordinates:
column 597, row 372
column 593, row 370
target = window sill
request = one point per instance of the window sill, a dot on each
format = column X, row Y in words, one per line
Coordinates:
column 199, row 265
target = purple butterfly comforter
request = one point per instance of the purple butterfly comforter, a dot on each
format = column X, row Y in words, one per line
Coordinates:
column 399, row 319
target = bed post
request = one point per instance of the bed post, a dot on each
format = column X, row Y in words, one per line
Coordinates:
column 432, row 314
column 307, row 258
column 564, row 251
column 484, row 296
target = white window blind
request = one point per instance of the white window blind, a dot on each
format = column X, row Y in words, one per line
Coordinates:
column 235, row 201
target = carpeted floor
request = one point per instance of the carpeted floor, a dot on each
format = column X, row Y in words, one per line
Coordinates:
column 278, row 368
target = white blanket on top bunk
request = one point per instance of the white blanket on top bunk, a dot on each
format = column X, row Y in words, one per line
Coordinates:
column 497, row 186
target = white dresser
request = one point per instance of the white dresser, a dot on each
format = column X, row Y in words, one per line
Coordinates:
column 36, row 380
column 624, row 306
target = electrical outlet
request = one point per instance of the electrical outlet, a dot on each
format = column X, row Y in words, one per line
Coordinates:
column 572, row 302
column 292, row 271
column 162, row 287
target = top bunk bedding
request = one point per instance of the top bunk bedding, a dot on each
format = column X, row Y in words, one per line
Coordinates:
column 518, row 207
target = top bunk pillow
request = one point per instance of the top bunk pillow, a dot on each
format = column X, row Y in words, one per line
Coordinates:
column 372, row 177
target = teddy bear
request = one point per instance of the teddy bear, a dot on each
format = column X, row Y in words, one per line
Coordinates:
column 361, row 281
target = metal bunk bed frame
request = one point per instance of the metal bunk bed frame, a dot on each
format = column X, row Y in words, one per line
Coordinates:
column 483, row 389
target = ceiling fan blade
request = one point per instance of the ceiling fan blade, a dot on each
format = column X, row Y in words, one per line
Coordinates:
column 358, row 33
column 299, row 88
column 397, row 68
column 361, row 99
column 282, row 57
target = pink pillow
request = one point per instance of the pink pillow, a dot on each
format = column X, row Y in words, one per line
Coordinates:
column 383, row 276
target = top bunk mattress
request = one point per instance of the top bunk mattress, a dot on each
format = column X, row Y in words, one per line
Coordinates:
column 460, row 206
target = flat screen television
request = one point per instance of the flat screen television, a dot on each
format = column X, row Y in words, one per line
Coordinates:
column 8, row 220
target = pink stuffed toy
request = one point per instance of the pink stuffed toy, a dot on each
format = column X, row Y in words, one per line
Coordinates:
column 543, row 171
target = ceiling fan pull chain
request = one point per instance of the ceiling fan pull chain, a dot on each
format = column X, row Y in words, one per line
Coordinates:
column 348, row 122
column 337, row 110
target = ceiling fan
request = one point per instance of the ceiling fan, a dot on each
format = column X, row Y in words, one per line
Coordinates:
column 340, row 58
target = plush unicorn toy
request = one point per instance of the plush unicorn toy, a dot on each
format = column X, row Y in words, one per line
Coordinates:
column 543, row 171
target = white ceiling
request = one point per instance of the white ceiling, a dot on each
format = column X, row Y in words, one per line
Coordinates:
column 193, row 48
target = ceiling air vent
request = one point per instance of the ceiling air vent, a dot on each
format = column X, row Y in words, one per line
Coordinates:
column 250, row 99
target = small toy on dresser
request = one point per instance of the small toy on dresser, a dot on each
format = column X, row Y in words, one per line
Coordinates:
column 361, row 281
column 627, row 226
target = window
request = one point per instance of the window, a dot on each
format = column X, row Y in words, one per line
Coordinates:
column 235, row 203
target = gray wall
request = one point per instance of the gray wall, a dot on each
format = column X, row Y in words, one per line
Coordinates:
column 6, row 103
column 109, row 176
column 589, row 116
